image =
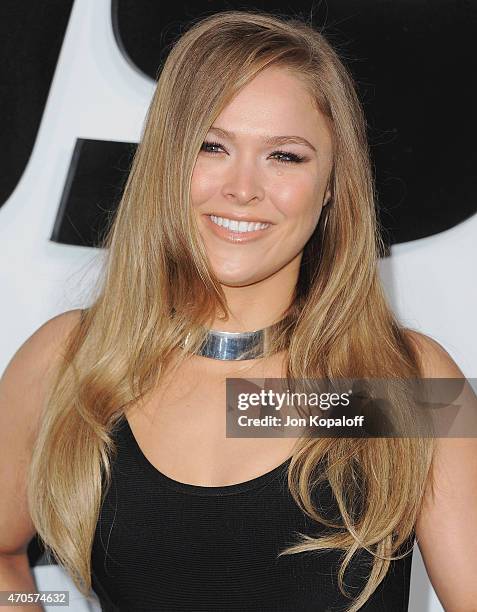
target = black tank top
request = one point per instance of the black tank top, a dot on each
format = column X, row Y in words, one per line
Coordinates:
column 165, row 546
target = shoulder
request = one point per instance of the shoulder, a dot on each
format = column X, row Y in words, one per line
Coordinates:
column 435, row 361
column 56, row 328
column 29, row 369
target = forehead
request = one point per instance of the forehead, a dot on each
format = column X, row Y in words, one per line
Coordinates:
column 276, row 101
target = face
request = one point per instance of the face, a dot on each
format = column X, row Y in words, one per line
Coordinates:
column 261, row 180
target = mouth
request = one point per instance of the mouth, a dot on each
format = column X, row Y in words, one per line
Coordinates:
column 236, row 231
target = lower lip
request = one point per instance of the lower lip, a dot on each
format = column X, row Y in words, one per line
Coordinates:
column 237, row 237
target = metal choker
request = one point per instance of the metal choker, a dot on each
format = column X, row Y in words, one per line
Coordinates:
column 232, row 346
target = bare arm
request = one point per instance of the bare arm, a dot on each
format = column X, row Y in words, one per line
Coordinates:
column 23, row 388
column 446, row 530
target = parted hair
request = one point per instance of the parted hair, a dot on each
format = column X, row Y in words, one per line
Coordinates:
column 157, row 288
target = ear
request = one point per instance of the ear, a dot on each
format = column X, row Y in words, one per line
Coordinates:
column 327, row 198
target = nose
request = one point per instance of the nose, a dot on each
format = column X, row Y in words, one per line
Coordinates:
column 243, row 183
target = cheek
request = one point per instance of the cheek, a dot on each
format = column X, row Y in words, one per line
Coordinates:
column 203, row 186
column 298, row 201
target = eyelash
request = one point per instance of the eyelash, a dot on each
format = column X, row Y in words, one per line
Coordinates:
column 294, row 158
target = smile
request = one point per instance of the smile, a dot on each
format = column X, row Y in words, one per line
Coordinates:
column 236, row 232
column 238, row 226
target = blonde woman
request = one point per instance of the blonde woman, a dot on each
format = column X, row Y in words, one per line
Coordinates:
column 115, row 415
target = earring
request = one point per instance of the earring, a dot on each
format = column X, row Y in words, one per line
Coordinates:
column 325, row 222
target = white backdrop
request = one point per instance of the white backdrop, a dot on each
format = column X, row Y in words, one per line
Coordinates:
column 97, row 94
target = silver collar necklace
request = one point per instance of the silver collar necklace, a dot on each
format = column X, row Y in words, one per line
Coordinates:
column 231, row 346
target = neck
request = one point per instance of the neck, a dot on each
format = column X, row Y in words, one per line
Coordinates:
column 259, row 305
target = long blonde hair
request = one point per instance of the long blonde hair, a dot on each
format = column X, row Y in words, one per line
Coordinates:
column 157, row 289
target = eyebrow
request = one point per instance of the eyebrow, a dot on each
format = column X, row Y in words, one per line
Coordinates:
column 269, row 140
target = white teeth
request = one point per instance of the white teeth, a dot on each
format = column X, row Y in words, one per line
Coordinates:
column 238, row 226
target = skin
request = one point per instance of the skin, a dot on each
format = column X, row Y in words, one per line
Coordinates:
column 246, row 176
column 258, row 279
column 243, row 175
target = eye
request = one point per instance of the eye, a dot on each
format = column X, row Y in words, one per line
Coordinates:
column 206, row 146
column 293, row 158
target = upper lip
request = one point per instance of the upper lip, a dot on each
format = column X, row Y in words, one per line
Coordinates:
column 236, row 217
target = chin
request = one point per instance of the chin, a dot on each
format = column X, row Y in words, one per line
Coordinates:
column 235, row 280
column 229, row 282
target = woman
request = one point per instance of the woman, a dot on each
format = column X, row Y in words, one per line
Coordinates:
column 132, row 482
